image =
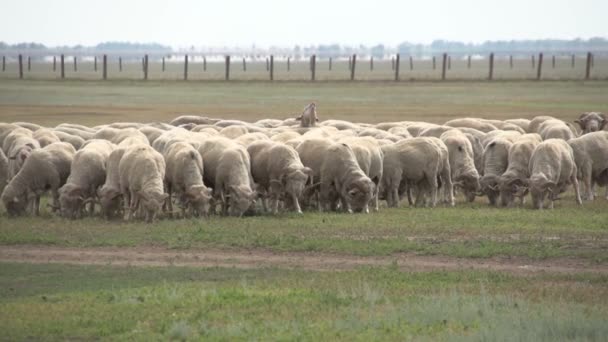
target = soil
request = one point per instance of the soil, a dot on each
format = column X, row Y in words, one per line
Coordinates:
column 247, row 259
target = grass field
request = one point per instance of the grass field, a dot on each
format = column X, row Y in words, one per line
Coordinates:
column 356, row 297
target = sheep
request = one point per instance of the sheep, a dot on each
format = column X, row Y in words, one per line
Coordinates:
column 73, row 140
column 249, row 138
column 107, row 133
column 535, row 123
column 87, row 173
column 555, row 129
column 184, row 176
column 131, row 135
column 28, row 125
column 30, row 183
column 478, row 124
column 86, row 135
column 462, row 165
column 522, row 123
column 552, row 169
column 308, row 118
column 126, row 125
column 228, row 172
column 76, row 126
column 416, row 128
column 400, row 131
column 411, row 161
column 45, row 137
column 268, row 123
column 277, row 169
column 341, row 175
column 504, row 126
column 591, row 122
column 6, row 129
column 285, row 136
column 591, row 157
column 311, row 153
column 339, row 124
column 495, row 163
column 109, row 194
column 152, row 133
column 512, row 183
column 13, row 135
column 160, row 125
column 3, row 171
column 142, row 172
column 370, row 159
column 234, row 131
column 435, row 131
column 19, row 144
column 199, row 120
column 379, row 134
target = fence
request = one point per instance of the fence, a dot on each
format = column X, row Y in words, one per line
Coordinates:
column 313, row 68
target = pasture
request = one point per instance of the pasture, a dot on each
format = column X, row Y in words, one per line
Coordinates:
column 470, row 272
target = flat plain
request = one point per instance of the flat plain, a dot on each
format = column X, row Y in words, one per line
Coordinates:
column 471, row 272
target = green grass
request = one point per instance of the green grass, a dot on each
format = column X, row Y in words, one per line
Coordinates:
column 468, row 230
column 57, row 302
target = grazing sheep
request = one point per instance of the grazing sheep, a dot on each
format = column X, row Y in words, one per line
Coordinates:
column 435, row 131
column 339, row 124
column 552, row 169
column 511, row 136
column 87, row 173
column 513, row 181
column 534, row 126
column 184, row 176
column 5, row 130
column 28, row 125
column 268, row 123
column 249, row 138
column 495, row 163
column 475, row 123
column 370, row 159
column 130, row 136
column 412, row 161
column 151, row 133
column 109, row 194
column 25, row 189
column 591, row 157
column 555, row 129
column 199, row 120
column 311, row 152
column 45, row 137
column 234, row 131
column 18, row 146
column 591, row 122
column 309, row 118
column 228, row 172
column 76, row 126
column 73, row 140
column 277, row 169
column 462, row 165
column 522, row 123
column 85, row 135
column 400, row 131
column 3, row 171
column 142, row 172
column 285, row 136
column 341, row 175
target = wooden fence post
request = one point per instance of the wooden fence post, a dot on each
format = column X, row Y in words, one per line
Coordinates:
column 271, row 67
column 434, row 63
column 411, row 63
column 588, row 68
column 54, row 63
column 491, row 74
column 227, row 68
column 267, row 65
column 4, row 63
column 105, row 67
column 313, row 66
column 392, row 63
column 29, row 63
column 397, row 68
column 353, row 66
column 443, row 66
column 511, row 61
column 95, row 63
column 371, row 63
column 449, row 62
column 540, row 66
column 244, row 64
column 20, row 66
column 145, row 67
column 329, row 63
column 204, row 63
column 75, row 64
column 469, row 62
column 185, row 67
column 592, row 60
column 119, row 64
column 62, row 67
column 572, row 61
column 163, row 64
column 533, row 62
column 288, row 63
column 553, row 62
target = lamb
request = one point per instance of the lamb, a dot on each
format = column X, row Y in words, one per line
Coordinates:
column 370, row 158
column 341, row 175
column 88, row 172
column 30, row 183
column 591, row 157
column 184, row 176
column 591, row 122
column 512, row 182
column 142, row 171
column 228, row 172
column 45, row 137
column 413, row 161
column 495, row 163
column 309, row 117
column 462, row 165
column 552, row 169
column 277, row 169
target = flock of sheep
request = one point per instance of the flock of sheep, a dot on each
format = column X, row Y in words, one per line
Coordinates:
column 199, row 164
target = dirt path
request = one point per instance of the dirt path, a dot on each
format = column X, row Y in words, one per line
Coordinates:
column 151, row 256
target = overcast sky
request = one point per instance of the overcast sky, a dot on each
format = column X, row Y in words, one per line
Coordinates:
column 286, row 23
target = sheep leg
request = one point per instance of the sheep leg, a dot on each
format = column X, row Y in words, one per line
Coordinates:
column 577, row 192
column 587, row 182
column 296, row 204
